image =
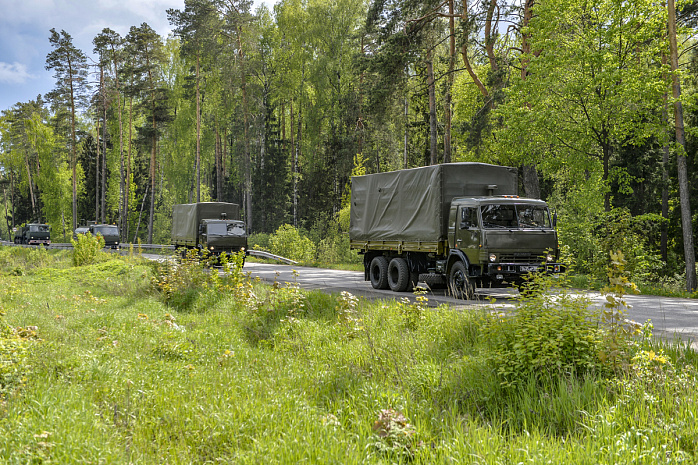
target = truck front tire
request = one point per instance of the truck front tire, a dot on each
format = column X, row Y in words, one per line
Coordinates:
column 398, row 275
column 378, row 271
column 458, row 282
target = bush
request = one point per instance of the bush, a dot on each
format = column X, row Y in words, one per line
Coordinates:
column 590, row 240
column 182, row 283
column 86, row 249
column 288, row 242
column 259, row 241
column 549, row 333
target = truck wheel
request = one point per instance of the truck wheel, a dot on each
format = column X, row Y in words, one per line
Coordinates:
column 378, row 272
column 398, row 275
column 458, row 282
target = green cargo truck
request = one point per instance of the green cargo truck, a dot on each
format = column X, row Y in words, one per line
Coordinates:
column 33, row 234
column 212, row 226
column 457, row 224
column 110, row 233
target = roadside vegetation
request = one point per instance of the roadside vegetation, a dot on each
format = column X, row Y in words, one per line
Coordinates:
column 123, row 360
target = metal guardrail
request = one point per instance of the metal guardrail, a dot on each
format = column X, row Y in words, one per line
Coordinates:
column 125, row 247
column 263, row 254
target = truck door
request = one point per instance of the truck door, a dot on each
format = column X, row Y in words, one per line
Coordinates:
column 468, row 232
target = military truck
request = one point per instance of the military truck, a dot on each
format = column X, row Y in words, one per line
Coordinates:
column 33, row 234
column 211, row 226
column 459, row 225
column 110, row 233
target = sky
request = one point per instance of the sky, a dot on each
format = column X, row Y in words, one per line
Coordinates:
column 25, row 28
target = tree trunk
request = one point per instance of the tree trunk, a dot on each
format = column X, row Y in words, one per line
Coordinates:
column 104, row 163
column 219, row 165
column 198, row 133
column 449, row 85
column 431, row 86
column 684, row 193
column 30, row 182
column 73, row 148
column 97, row 175
column 122, row 202
column 128, row 168
column 530, row 181
column 665, row 173
column 466, row 59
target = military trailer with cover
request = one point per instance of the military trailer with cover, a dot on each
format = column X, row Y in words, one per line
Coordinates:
column 456, row 224
column 33, row 234
column 211, row 226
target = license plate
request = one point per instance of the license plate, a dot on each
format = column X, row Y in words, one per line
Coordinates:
column 529, row 268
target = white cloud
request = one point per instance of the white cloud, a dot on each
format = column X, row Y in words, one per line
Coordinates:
column 15, row 73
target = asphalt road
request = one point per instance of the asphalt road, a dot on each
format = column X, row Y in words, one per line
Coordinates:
column 671, row 317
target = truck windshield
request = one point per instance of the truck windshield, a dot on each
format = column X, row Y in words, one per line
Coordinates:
column 38, row 228
column 226, row 229
column 107, row 230
column 514, row 216
column 236, row 229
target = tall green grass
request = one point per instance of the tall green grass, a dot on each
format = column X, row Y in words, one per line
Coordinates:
column 120, row 367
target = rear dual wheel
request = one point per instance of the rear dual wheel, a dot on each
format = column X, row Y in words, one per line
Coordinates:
column 398, row 275
column 378, row 272
column 394, row 274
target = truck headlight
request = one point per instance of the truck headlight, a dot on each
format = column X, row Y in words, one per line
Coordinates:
column 493, row 257
column 549, row 257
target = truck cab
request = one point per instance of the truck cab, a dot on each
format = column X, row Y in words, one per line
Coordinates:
column 222, row 235
column 109, row 232
column 33, row 234
column 500, row 239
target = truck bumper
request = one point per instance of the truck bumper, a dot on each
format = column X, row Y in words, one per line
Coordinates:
column 515, row 271
column 39, row 242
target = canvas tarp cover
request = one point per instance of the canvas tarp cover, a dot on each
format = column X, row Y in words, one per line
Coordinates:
column 186, row 217
column 413, row 204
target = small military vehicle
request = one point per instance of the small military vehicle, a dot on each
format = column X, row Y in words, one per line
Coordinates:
column 33, row 234
column 211, row 226
column 444, row 225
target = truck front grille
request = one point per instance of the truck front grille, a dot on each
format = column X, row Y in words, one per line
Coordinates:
column 520, row 258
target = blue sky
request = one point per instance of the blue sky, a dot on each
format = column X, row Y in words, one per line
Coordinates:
column 24, row 33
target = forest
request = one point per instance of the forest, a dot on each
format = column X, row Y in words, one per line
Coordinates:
column 594, row 101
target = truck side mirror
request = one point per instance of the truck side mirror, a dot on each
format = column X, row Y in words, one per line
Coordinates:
column 554, row 219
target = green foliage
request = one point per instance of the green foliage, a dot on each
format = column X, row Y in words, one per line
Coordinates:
column 620, row 331
column 590, row 240
column 87, row 249
column 413, row 312
column 334, row 248
column 14, row 343
column 184, row 283
column 259, row 241
column 288, row 242
column 21, row 260
column 275, row 366
column 394, row 435
column 549, row 333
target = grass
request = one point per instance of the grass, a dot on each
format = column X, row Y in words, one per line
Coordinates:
column 120, row 367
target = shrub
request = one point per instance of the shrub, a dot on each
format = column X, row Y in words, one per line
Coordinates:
column 288, row 242
column 182, row 283
column 549, row 333
column 259, row 241
column 86, row 249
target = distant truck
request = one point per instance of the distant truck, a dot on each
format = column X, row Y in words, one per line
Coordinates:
column 110, row 233
column 33, row 234
column 212, row 226
column 444, row 225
